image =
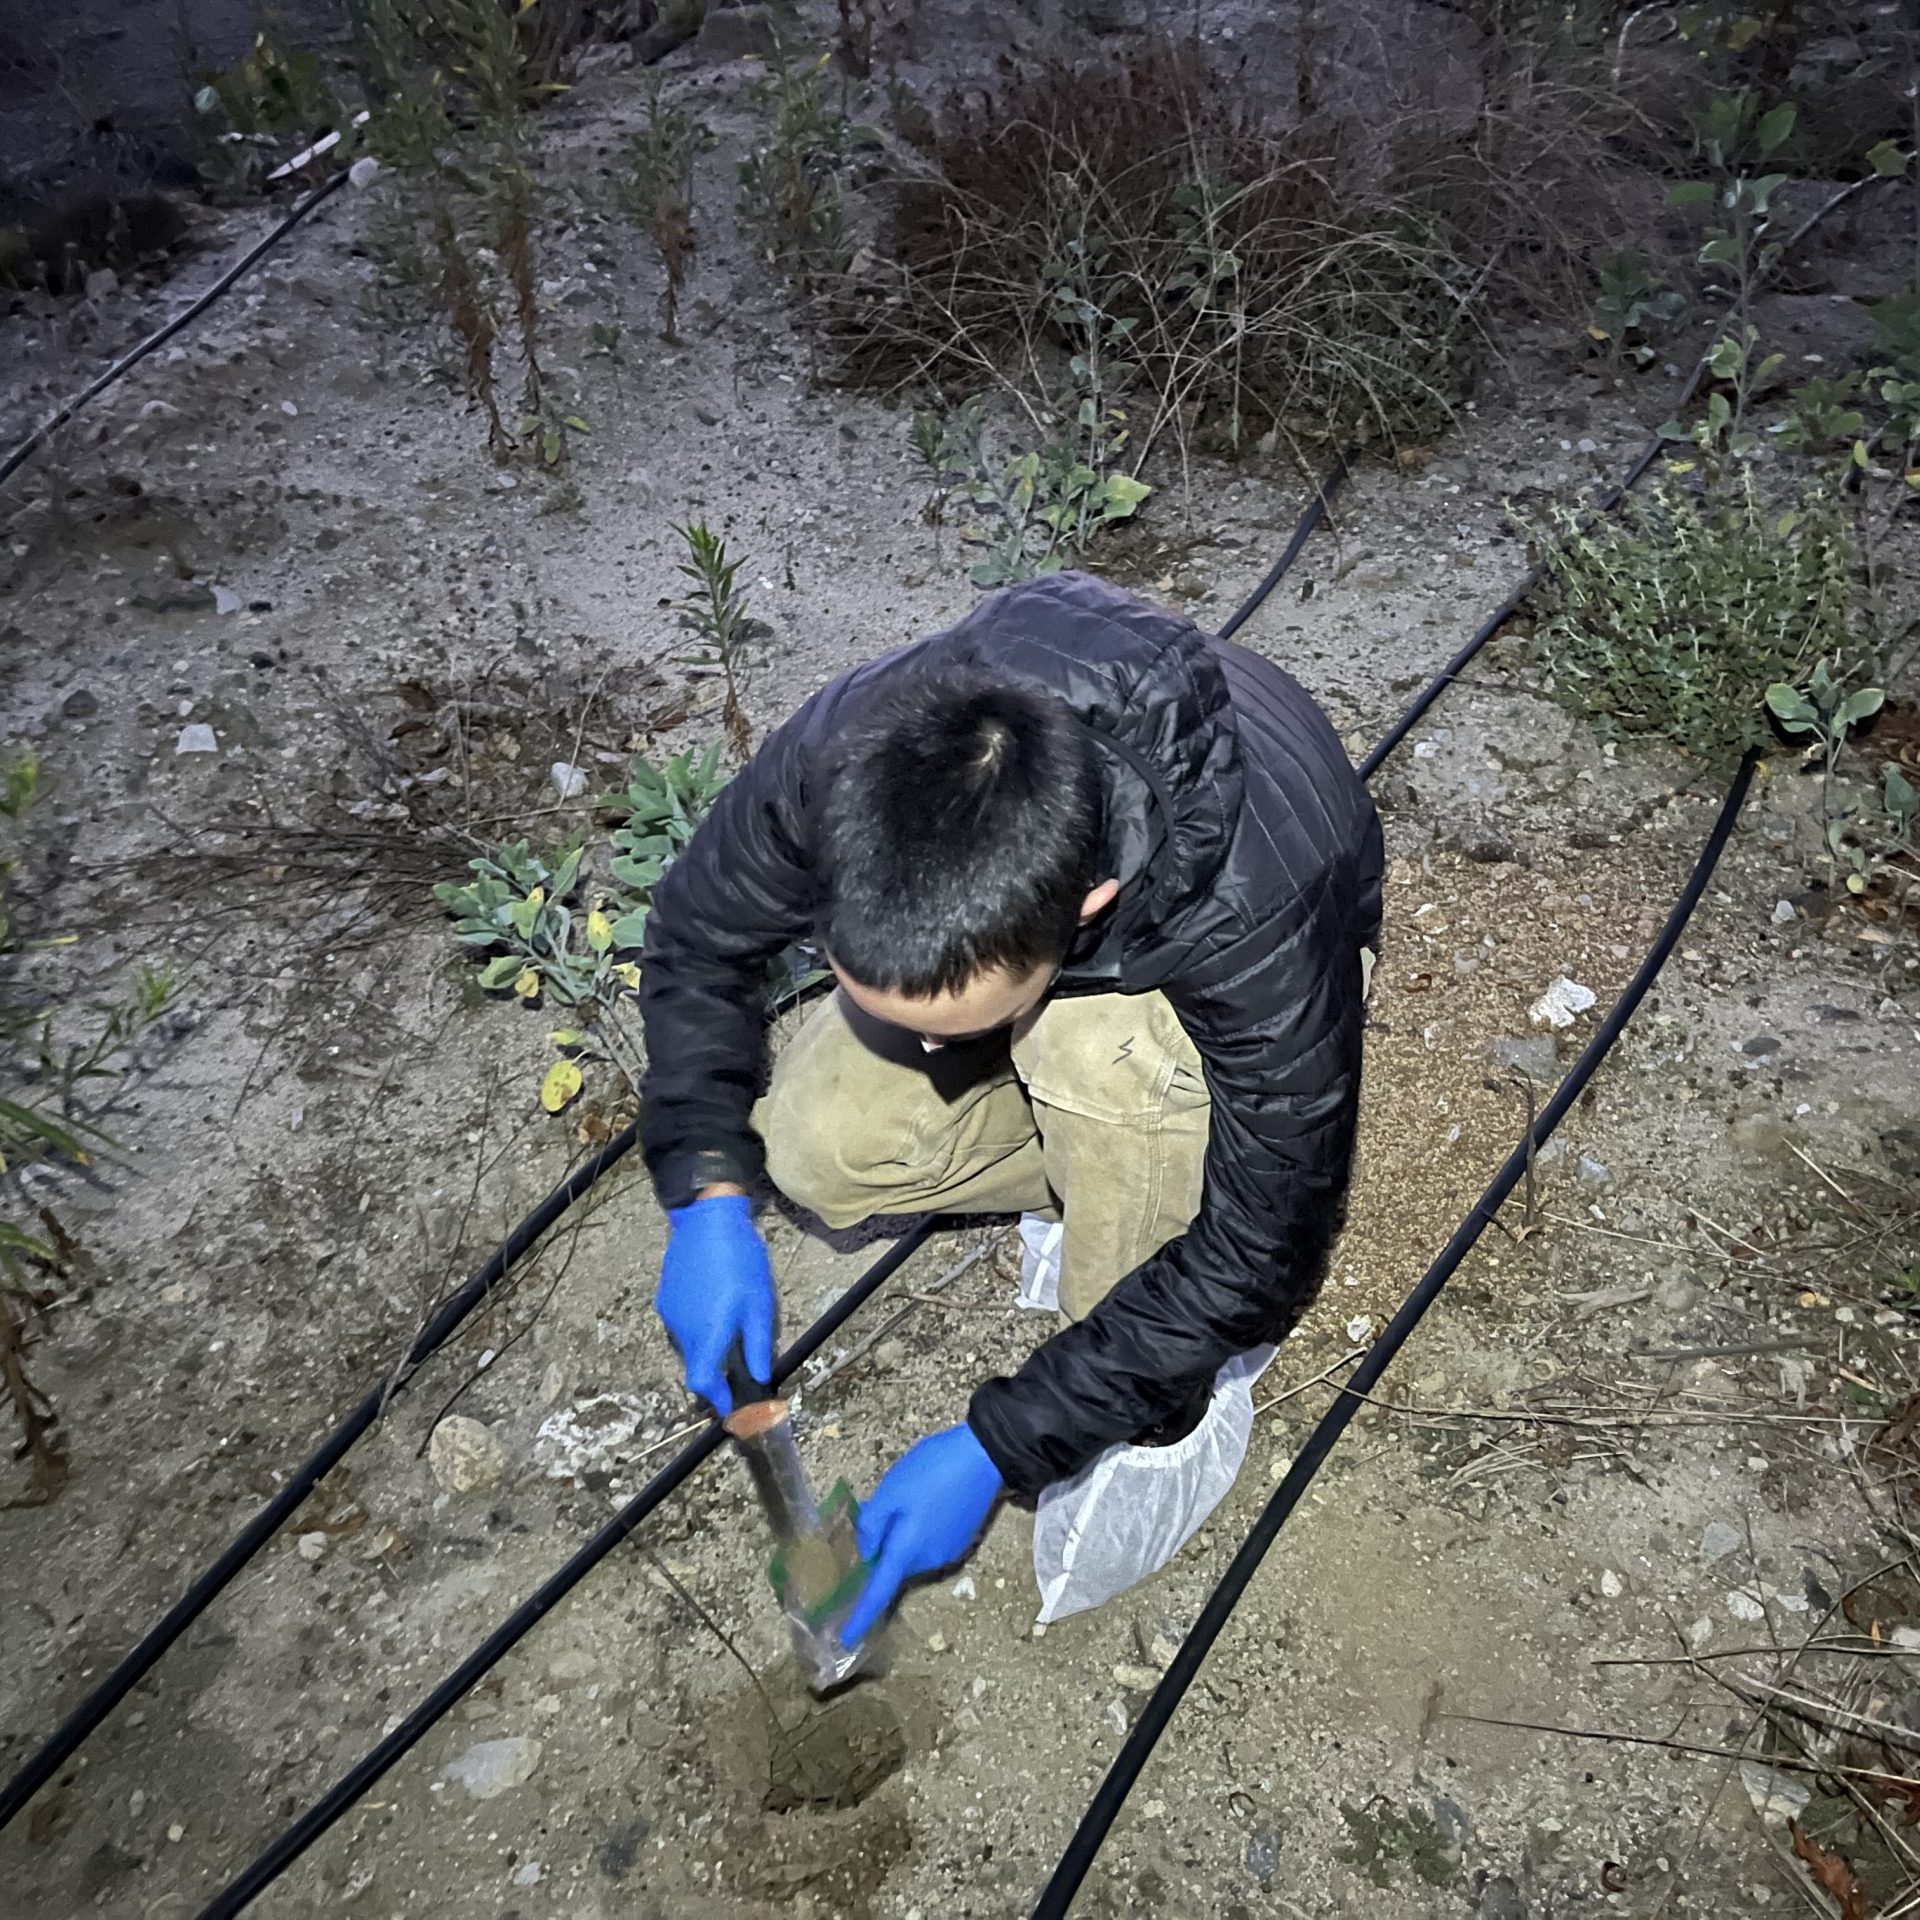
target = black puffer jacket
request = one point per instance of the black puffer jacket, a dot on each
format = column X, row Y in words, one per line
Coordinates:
column 1249, row 858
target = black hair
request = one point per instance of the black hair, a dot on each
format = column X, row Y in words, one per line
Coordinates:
column 959, row 831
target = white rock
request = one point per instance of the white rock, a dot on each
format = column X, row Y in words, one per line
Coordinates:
column 527, row 1874
column 1719, row 1539
column 569, row 781
column 197, row 738
column 364, row 171
column 490, row 1768
column 289, row 409
column 465, row 1456
column 1783, row 912
column 1561, row 1004
column 1136, row 1679
column 225, row 600
column 963, row 1588
column 1360, row 1327
column 1777, row 1797
column 310, row 1546
column 1744, row 1605
column 1611, row 1584
column 587, row 1435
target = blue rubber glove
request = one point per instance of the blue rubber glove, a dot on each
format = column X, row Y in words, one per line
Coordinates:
column 716, row 1288
column 928, row 1509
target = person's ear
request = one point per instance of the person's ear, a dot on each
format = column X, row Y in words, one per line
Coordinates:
column 1099, row 900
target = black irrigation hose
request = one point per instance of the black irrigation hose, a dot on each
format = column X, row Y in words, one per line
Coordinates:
column 1159, row 1710
column 162, row 334
column 133, row 1668
column 1315, row 513
column 291, row 1844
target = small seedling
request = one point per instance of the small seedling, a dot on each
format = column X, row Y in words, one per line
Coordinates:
column 1633, row 307
column 717, row 612
column 657, row 188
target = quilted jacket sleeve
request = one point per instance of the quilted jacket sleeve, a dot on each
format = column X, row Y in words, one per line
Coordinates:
column 740, row 892
column 1275, row 1012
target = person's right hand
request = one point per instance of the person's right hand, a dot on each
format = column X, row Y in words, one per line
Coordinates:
column 716, row 1290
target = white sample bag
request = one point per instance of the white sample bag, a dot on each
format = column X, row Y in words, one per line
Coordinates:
column 1125, row 1514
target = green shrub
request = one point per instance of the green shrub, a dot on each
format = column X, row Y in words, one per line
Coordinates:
column 1674, row 617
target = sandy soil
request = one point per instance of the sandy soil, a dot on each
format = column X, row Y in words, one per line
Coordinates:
column 1637, row 1425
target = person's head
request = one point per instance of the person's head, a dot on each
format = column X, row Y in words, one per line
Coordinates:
column 958, row 850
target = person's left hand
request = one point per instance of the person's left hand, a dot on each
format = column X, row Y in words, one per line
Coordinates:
column 928, row 1509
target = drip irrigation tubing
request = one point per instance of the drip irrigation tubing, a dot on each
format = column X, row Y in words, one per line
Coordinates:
column 291, row 1844
column 165, row 332
column 66, row 1739
column 1159, row 1710
column 1315, row 513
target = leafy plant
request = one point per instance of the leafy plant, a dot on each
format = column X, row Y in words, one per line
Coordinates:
column 657, row 189
column 717, row 612
column 567, row 926
column 1676, row 616
column 1733, row 133
column 45, row 1122
column 268, row 103
column 790, row 179
column 1040, row 510
column 1633, row 306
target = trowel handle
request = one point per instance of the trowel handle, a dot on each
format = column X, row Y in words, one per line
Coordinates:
column 746, row 1390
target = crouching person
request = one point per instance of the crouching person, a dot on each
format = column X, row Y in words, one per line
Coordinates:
column 1099, row 893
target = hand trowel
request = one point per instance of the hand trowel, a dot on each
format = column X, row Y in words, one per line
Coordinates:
column 816, row 1570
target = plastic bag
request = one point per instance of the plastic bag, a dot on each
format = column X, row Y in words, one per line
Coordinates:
column 1124, row 1515
column 1040, row 1263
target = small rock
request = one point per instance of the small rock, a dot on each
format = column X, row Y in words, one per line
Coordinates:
column 1500, row 1900
column 465, row 1456
column 1561, row 1004
column 176, row 1833
column 1263, row 1854
column 1784, row 911
column 1535, row 1058
column 363, row 172
column 197, row 738
column 1135, row 1678
column 1360, row 1327
column 289, row 409
column 569, row 781
column 310, row 1546
column 1759, row 1046
column 101, row 282
column 1595, row 1173
column 1611, row 1584
column 1163, row 1646
column 1719, row 1539
column 936, row 1643
column 1777, row 1797
column 964, row 1589
column 80, row 704
column 490, row 1768
column 359, row 1878
column 225, row 600
column 1744, row 1606
column 1678, row 1293
column 890, row 1354
column 527, row 1874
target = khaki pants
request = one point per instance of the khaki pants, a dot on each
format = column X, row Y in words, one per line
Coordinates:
column 1096, row 1110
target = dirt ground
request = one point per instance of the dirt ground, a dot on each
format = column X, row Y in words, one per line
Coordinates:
column 1637, row 1435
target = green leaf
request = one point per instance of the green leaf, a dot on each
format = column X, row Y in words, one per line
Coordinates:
column 500, row 973
column 1901, row 799
column 631, row 928
column 567, row 874
column 577, row 424
column 1690, row 193
column 1858, row 706
column 1776, row 124
column 1123, row 494
column 1888, row 159
column 1789, row 705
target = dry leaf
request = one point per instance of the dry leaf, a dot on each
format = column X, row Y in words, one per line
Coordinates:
column 1833, row 1876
